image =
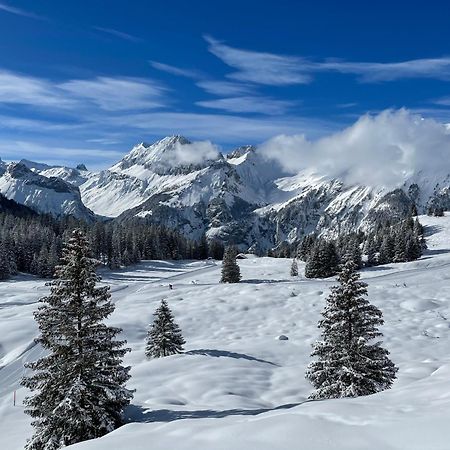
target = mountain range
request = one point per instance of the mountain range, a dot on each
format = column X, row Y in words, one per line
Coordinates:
column 242, row 196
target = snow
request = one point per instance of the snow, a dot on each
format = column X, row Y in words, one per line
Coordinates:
column 238, row 386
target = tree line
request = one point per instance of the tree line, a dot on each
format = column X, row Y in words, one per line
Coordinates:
column 387, row 243
column 33, row 243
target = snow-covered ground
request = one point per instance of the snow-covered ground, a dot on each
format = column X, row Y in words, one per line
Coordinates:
column 238, row 387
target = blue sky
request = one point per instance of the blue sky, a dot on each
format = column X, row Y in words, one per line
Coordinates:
column 83, row 81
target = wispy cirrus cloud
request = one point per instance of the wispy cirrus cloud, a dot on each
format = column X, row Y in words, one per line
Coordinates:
column 174, row 70
column 209, row 85
column 223, row 87
column 106, row 93
column 118, row 34
column 117, row 93
column 278, row 70
column 260, row 67
column 20, row 12
column 249, row 104
column 372, row 72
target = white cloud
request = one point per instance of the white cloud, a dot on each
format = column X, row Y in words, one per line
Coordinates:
column 20, row 12
column 188, row 73
column 220, row 87
column 194, row 153
column 115, row 94
column 278, row 70
column 218, row 127
column 377, row 150
column 370, row 72
column 259, row 67
column 119, row 34
column 106, row 93
column 27, row 90
column 249, row 104
column 54, row 154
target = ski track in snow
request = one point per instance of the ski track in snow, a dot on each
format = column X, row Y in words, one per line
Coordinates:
column 239, row 387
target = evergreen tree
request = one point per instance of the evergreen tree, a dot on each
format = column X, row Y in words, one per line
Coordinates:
column 350, row 361
column 305, row 247
column 78, row 387
column 322, row 261
column 294, row 268
column 387, row 249
column 5, row 270
column 230, row 268
column 371, row 252
column 164, row 337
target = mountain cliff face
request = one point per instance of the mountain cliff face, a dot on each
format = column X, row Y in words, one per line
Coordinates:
column 43, row 194
column 240, row 197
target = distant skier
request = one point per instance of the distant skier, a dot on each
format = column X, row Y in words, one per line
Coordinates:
column 170, row 286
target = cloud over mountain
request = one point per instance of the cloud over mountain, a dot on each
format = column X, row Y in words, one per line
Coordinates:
column 383, row 149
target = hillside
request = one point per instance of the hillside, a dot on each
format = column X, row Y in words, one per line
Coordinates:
column 238, row 386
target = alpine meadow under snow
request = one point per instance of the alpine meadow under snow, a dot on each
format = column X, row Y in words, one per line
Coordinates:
column 240, row 383
column 224, row 225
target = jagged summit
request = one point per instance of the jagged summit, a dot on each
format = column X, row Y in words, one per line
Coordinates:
column 241, row 151
column 160, row 153
column 35, row 166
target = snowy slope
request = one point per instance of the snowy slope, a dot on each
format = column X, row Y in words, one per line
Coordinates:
column 246, row 198
column 238, row 386
column 43, row 194
column 241, row 197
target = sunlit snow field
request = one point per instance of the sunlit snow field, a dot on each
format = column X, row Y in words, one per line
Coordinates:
column 238, row 387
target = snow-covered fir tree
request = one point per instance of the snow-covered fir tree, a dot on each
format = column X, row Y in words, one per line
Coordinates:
column 231, row 272
column 294, row 268
column 78, row 388
column 322, row 261
column 350, row 360
column 305, row 246
column 164, row 337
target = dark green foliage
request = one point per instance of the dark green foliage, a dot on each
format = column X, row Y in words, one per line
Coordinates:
column 437, row 211
column 78, row 390
column 305, row 247
column 33, row 243
column 322, row 261
column 230, row 268
column 294, row 268
column 216, row 249
column 350, row 360
column 401, row 242
column 164, row 337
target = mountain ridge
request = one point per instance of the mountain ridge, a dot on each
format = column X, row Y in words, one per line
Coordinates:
column 241, row 197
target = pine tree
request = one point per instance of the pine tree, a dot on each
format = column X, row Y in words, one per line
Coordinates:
column 78, row 387
column 230, row 268
column 294, row 268
column 350, row 361
column 371, row 252
column 387, row 249
column 5, row 270
column 164, row 337
column 322, row 261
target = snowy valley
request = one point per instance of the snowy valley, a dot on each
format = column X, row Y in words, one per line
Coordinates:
column 238, row 386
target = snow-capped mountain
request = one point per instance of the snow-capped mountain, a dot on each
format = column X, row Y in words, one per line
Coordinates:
column 43, row 194
column 240, row 197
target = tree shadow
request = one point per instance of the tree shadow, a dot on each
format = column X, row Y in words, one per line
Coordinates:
column 226, row 354
column 432, row 229
column 136, row 413
column 428, row 252
column 259, row 281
